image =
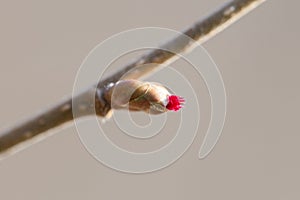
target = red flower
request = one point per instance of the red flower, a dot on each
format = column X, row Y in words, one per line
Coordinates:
column 175, row 102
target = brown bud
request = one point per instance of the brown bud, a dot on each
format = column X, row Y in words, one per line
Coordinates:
column 135, row 95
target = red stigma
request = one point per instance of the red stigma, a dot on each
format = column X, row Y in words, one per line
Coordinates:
column 175, row 103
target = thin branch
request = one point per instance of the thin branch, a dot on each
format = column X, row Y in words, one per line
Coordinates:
column 62, row 112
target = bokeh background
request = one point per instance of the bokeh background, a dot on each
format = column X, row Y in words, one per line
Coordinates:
column 42, row 46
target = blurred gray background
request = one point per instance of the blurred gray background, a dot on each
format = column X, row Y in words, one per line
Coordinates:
column 42, row 46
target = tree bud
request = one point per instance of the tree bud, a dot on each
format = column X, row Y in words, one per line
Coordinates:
column 149, row 97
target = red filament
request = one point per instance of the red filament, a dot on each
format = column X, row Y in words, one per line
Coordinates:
column 175, row 103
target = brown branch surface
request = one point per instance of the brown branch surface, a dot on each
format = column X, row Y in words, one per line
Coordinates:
column 62, row 112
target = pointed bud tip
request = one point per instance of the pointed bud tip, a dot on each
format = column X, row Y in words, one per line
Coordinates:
column 175, row 102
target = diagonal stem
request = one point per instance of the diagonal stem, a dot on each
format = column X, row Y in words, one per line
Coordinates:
column 35, row 128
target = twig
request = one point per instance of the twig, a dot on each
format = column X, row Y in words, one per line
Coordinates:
column 62, row 112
